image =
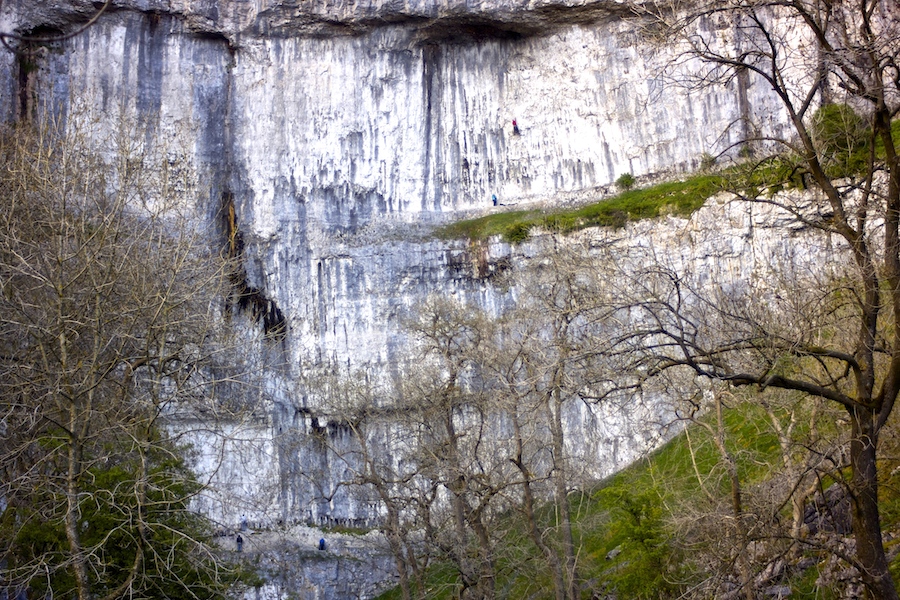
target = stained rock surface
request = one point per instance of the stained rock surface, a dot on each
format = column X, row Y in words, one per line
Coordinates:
column 340, row 132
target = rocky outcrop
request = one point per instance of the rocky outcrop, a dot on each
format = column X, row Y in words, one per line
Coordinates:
column 301, row 562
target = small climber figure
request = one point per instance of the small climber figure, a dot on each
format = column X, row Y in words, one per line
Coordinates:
column 240, row 543
column 322, row 544
column 243, row 523
column 494, row 199
column 515, row 128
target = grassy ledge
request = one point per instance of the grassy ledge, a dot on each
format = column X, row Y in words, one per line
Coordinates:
column 765, row 176
column 678, row 197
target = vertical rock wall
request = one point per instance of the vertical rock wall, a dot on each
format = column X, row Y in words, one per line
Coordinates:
column 340, row 132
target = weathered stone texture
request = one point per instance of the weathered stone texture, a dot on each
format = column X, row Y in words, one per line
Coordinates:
column 343, row 130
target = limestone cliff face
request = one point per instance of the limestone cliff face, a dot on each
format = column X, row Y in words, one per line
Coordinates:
column 339, row 131
column 331, row 124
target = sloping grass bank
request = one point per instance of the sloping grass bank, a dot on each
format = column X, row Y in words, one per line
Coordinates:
column 651, row 531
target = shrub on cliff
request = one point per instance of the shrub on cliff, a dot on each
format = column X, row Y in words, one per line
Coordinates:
column 625, row 181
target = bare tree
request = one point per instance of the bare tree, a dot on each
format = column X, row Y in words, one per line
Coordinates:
column 511, row 368
column 454, row 426
column 108, row 311
column 547, row 369
column 843, row 345
column 430, row 446
column 384, row 462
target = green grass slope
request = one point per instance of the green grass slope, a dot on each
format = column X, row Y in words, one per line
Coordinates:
column 655, row 530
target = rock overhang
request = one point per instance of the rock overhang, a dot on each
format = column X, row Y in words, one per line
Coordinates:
column 449, row 20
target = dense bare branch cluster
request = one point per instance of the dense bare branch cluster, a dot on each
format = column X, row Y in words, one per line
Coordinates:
column 108, row 315
column 834, row 333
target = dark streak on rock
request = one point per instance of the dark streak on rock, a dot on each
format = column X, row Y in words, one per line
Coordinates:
column 245, row 296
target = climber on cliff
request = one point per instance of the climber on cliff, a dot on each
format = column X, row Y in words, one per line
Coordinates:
column 515, row 128
column 240, row 543
column 494, row 199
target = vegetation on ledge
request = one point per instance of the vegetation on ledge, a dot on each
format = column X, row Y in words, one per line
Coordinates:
column 678, row 197
column 844, row 156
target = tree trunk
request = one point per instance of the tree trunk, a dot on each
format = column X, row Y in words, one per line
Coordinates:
column 737, row 509
column 396, row 545
column 487, row 581
column 864, row 496
column 457, row 487
column 528, row 501
column 73, row 513
column 560, row 477
column 73, row 473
